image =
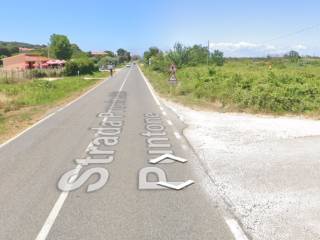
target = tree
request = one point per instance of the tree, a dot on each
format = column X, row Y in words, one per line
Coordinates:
column 293, row 56
column 5, row 52
column 77, row 52
column 105, row 61
column 179, row 55
column 217, row 58
column 135, row 57
column 123, row 55
column 197, row 55
column 152, row 52
column 110, row 53
column 83, row 65
column 60, row 47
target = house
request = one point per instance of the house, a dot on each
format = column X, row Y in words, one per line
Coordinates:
column 24, row 49
column 29, row 61
column 99, row 54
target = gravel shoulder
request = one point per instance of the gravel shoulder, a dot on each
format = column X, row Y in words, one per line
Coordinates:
column 266, row 168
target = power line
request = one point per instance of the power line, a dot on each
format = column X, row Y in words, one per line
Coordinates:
column 292, row 33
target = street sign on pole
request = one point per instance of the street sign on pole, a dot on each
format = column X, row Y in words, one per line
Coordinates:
column 173, row 78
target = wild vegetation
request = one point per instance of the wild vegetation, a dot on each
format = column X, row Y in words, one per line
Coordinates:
column 288, row 84
column 23, row 94
column 21, row 101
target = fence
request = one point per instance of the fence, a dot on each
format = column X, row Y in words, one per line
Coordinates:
column 13, row 76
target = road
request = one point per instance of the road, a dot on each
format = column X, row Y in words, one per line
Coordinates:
column 123, row 120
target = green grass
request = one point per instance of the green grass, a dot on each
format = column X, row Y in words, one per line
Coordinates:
column 99, row 75
column 2, row 123
column 269, row 86
column 39, row 92
column 36, row 93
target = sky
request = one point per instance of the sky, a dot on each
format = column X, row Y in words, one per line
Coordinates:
column 239, row 28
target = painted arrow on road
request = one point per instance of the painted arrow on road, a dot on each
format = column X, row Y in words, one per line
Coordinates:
column 175, row 187
column 167, row 156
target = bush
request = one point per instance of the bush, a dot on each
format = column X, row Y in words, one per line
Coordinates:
column 217, row 58
column 37, row 73
column 83, row 65
column 245, row 84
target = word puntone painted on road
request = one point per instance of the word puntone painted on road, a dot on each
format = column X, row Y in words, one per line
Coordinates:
column 158, row 144
column 99, row 151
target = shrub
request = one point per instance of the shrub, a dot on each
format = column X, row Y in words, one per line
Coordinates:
column 37, row 73
column 217, row 58
column 83, row 65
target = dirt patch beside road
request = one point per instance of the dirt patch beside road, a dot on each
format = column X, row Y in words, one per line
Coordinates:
column 267, row 168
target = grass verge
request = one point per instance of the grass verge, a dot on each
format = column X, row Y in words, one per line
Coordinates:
column 246, row 85
column 22, row 104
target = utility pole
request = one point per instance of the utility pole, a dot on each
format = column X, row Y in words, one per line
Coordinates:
column 208, row 53
column 48, row 46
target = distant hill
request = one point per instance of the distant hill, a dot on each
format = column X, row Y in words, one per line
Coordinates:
column 4, row 44
column 8, row 49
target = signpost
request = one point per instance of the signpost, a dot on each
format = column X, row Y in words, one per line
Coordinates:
column 173, row 78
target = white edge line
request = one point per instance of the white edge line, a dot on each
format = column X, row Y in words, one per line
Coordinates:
column 63, row 196
column 170, row 122
column 178, row 136
column 236, row 229
column 150, row 88
column 161, row 108
column 51, row 114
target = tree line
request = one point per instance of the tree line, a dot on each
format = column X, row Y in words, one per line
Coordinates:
column 61, row 48
column 182, row 56
column 185, row 56
column 85, row 62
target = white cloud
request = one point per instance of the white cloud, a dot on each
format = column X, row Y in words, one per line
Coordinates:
column 247, row 49
column 229, row 46
column 299, row 47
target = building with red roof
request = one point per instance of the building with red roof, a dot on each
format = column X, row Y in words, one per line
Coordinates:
column 29, row 61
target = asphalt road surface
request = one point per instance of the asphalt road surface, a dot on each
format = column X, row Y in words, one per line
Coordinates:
column 114, row 131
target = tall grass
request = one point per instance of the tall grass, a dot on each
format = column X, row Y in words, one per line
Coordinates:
column 40, row 92
column 31, row 96
column 275, row 85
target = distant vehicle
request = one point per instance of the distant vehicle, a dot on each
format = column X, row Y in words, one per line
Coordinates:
column 103, row 69
column 128, row 65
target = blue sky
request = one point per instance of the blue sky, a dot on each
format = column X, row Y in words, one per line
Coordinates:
column 239, row 28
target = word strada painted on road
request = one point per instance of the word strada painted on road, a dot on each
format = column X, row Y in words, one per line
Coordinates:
column 100, row 149
column 158, row 144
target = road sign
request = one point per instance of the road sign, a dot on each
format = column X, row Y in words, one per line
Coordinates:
column 173, row 78
column 173, row 69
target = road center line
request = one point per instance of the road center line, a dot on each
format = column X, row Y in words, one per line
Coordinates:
column 63, row 196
